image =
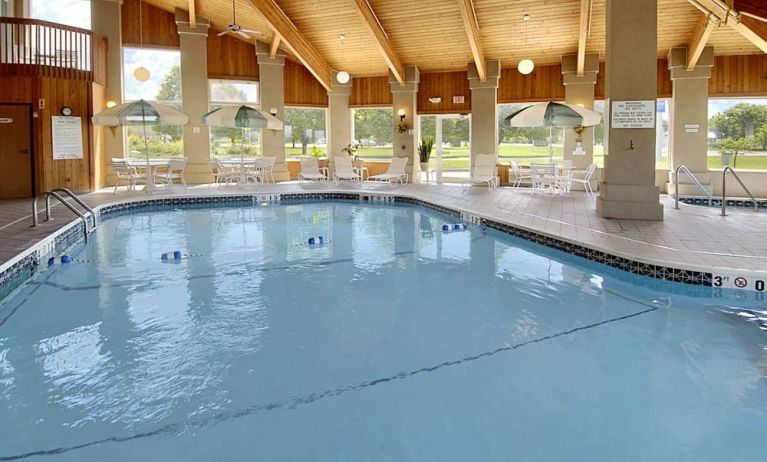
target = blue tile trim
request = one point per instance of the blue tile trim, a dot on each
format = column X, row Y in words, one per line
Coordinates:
column 21, row 271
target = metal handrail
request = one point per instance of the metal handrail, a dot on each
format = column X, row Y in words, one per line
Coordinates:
column 694, row 178
column 54, row 193
column 724, row 190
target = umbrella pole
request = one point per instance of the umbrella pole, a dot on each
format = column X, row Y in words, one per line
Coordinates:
column 551, row 147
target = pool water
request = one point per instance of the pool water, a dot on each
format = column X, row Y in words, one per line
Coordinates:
column 392, row 341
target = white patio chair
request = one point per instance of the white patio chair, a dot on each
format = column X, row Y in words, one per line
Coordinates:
column 344, row 170
column 225, row 173
column 395, row 173
column 174, row 171
column 267, row 166
column 544, row 177
column 585, row 180
column 483, row 171
column 125, row 173
column 520, row 174
column 310, row 170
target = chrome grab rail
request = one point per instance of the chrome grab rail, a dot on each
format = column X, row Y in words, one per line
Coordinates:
column 87, row 229
column 676, row 184
column 724, row 191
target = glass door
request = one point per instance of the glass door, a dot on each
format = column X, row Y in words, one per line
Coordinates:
column 451, row 158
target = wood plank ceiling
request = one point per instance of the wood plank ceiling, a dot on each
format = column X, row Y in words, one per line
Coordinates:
column 432, row 35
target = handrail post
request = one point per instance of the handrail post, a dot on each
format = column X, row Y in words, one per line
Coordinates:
column 47, row 207
column 34, row 211
column 742, row 185
column 693, row 178
column 724, row 191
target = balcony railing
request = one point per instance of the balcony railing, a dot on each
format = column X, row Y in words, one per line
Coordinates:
column 46, row 49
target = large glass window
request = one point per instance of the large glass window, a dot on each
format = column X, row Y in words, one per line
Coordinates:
column 75, row 13
column 451, row 156
column 163, row 86
column 737, row 133
column 305, row 132
column 6, row 7
column 373, row 131
column 233, row 141
column 526, row 145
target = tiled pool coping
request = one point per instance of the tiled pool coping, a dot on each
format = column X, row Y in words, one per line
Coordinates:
column 14, row 272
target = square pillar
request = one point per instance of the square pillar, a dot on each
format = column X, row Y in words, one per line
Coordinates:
column 194, row 96
column 271, row 83
column 688, row 138
column 579, row 91
column 628, row 190
column 404, row 97
column 484, row 109
column 106, row 20
column 339, row 117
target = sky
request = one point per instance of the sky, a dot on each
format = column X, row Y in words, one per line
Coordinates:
column 157, row 61
column 76, row 13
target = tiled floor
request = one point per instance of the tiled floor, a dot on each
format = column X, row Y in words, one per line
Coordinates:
column 693, row 237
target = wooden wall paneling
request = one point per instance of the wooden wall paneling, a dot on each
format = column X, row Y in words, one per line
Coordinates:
column 370, row 92
column 543, row 84
column 444, row 85
column 739, row 76
column 159, row 26
column 230, row 58
column 301, row 88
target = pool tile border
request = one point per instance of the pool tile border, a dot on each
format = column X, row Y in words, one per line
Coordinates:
column 23, row 268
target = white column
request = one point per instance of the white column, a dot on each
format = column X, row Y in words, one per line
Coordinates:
column 688, row 138
column 272, row 95
column 404, row 97
column 194, row 95
column 579, row 90
column 628, row 190
column 484, row 109
column 339, row 117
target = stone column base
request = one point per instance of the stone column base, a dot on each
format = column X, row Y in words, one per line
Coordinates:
column 630, row 202
column 198, row 173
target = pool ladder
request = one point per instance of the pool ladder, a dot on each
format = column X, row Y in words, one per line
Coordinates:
column 683, row 168
column 87, row 228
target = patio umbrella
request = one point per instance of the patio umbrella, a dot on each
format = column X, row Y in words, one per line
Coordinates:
column 551, row 114
column 140, row 113
column 242, row 116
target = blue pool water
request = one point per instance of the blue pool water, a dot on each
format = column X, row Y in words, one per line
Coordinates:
column 393, row 341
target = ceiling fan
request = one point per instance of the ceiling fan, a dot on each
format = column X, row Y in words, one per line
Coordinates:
column 235, row 28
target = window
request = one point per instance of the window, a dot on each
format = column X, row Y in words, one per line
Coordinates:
column 373, row 130
column 233, row 141
column 6, row 7
column 737, row 133
column 163, row 86
column 526, row 145
column 305, row 132
column 75, row 13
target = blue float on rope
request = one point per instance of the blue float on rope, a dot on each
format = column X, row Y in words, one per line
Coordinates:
column 454, row 227
column 175, row 255
column 63, row 260
column 316, row 240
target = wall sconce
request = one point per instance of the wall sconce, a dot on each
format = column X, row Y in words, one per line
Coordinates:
column 111, row 104
column 273, row 111
column 402, row 127
column 435, row 100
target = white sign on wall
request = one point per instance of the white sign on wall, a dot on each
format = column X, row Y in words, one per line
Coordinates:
column 633, row 114
column 67, row 137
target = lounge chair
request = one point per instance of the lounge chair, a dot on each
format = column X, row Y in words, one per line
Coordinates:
column 520, row 174
column 483, row 172
column 310, row 170
column 395, row 174
column 344, row 170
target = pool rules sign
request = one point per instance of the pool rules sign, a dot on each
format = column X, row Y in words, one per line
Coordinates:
column 633, row 114
column 67, row 137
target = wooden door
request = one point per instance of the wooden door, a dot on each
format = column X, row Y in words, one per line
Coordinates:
column 15, row 151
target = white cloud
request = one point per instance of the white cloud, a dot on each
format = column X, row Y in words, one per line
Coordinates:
column 158, row 62
column 76, row 13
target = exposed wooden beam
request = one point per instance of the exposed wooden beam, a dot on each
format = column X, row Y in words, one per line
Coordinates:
column 752, row 29
column 471, row 26
column 294, row 40
column 699, row 40
column 382, row 40
column 192, row 14
column 753, row 8
column 275, row 45
column 583, row 33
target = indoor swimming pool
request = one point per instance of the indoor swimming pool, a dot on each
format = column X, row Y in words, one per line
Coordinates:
column 390, row 339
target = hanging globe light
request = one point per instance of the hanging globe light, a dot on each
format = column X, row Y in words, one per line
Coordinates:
column 141, row 74
column 526, row 66
column 343, row 77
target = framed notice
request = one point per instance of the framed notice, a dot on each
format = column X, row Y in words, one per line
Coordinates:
column 67, row 137
column 633, row 114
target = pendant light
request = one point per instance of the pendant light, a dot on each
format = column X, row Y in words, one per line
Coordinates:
column 343, row 77
column 141, row 73
column 526, row 65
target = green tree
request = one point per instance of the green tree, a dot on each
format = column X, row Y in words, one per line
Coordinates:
column 228, row 92
column 170, row 92
column 304, row 123
column 374, row 125
column 735, row 146
column 740, row 121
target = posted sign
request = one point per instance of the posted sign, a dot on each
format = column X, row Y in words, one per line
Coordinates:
column 67, row 137
column 633, row 114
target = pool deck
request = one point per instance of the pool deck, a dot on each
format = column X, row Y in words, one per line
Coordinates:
column 692, row 238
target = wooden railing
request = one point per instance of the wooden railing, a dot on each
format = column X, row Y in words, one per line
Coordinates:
column 47, row 49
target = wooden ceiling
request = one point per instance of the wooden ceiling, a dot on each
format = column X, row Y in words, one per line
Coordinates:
column 431, row 33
